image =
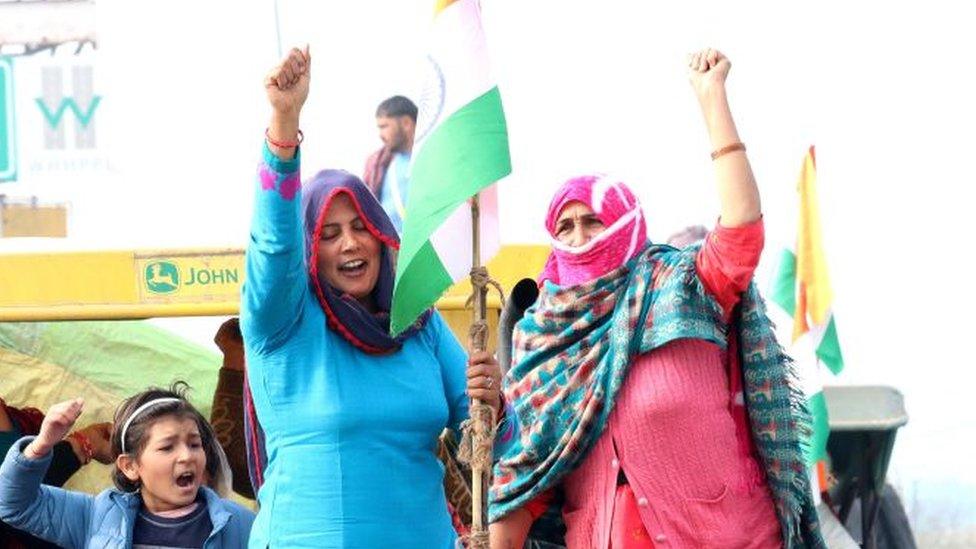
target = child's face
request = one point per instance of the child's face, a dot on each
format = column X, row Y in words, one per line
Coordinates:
column 172, row 465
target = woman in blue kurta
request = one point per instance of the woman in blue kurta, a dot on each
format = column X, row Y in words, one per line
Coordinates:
column 350, row 415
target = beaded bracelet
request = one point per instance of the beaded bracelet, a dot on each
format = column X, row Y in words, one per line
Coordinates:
column 86, row 446
column 737, row 146
column 284, row 144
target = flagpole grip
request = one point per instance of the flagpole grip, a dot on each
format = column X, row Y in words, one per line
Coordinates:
column 482, row 435
column 478, row 431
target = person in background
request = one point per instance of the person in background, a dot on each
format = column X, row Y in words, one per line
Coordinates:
column 227, row 411
column 387, row 169
column 687, row 236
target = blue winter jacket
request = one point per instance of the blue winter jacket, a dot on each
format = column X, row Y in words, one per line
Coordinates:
column 78, row 520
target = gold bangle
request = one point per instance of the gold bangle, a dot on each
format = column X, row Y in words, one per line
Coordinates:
column 737, row 146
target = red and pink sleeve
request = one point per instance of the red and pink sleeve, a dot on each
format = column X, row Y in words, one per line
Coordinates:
column 728, row 259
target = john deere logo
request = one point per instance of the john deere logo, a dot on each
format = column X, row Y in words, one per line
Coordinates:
column 162, row 277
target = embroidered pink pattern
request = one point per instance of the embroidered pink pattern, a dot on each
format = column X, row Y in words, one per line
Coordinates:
column 268, row 178
column 288, row 186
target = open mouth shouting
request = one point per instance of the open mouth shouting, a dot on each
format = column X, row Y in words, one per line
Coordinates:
column 186, row 480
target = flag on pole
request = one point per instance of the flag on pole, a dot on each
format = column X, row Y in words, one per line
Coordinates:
column 802, row 289
column 461, row 148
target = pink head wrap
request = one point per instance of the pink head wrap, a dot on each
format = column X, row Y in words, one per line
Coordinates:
column 625, row 235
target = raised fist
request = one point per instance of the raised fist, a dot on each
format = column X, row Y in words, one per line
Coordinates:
column 57, row 423
column 707, row 71
column 287, row 84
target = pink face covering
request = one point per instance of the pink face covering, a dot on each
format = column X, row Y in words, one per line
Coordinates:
column 624, row 236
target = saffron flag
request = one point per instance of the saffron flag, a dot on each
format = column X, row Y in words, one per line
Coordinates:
column 802, row 289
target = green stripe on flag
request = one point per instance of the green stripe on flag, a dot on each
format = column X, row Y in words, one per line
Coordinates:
column 829, row 349
column 414, row 294
column 784, row 283
column 464, row 154
column 817, row 449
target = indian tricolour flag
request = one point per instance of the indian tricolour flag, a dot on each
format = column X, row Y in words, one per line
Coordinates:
column 802, row 289
column 461, row 148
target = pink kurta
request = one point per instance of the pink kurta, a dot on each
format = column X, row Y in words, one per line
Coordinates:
column 673, row 435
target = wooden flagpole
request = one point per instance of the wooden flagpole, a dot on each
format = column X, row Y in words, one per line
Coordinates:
column 483, row 432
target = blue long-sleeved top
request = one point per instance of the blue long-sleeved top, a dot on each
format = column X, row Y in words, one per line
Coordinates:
column 350, row 437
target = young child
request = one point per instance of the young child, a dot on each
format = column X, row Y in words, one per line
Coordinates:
column 166, row 455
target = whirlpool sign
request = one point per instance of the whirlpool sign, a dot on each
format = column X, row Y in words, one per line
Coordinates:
column 50, row 106
column 64, row 105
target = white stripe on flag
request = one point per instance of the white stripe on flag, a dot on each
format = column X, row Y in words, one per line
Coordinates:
column 452, row 240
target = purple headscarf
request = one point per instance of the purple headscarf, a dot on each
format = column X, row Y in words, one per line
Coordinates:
column 370, row 332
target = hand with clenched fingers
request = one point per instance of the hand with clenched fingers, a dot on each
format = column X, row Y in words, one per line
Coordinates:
column 56, row 425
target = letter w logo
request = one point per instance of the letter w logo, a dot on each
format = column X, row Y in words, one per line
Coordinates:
column 53, row 119
column 55, row 102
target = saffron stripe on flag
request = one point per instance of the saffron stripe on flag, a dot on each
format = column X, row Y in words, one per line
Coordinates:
column 801, row 288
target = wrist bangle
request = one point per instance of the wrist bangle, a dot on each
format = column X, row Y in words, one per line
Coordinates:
column 87, row 449
column 284, row 144
column 737, row 146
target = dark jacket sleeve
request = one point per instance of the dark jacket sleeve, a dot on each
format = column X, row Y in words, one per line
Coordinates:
column 64, row 464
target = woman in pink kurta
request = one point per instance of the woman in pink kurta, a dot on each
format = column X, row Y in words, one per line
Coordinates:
column 675, row 462
column 668, row 470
